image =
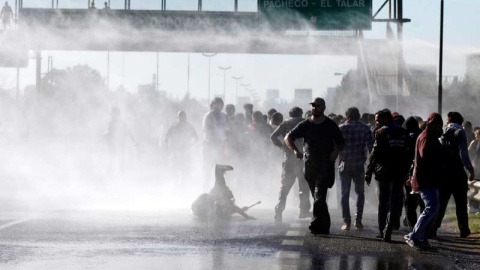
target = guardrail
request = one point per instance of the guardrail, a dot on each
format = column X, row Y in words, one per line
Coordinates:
column 474, row 195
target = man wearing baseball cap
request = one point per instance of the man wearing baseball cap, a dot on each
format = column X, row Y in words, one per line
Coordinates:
column 322, row 142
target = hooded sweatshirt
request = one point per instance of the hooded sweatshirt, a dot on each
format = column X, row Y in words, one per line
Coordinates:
column 429, row 157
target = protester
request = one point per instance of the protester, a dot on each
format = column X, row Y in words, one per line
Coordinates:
column 292, row 168
column 7, row 15
column 178, row 143
column 427, row 178
column 214, row 137
column 390, row 162
column 474, row 151
column 277, row 119
column 270, row 113
column 454, row 140
column 230, row 111
column 468, row 127
column 323, row 141
column 351, row 166
column 412, row 200
column 248, row 112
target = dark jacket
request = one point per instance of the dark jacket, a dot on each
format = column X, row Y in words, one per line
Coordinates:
column 390, row 159
column 429, row 158
column 454, row 140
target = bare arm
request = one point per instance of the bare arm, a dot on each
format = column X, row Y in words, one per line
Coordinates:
column 274, row 136
column 290, row 142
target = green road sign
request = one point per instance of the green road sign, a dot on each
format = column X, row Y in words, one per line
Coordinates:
column 316, row 14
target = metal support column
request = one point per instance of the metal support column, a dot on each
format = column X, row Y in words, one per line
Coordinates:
column 440, row 64
column 108, row 70
column 400, row 66
column 236, row 5
column 38, row 77
column 158, row 72
column 18, row 85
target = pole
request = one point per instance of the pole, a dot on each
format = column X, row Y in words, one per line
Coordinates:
column 38, row 77
column 236, row 5
column 18, row 85
column 108, row 70
column 209, row 56
column 224, row 80
column 188, row 75
column 158, row 68
column 236, row 89
column 199, row 5
column 400, row 48
column 440, row 65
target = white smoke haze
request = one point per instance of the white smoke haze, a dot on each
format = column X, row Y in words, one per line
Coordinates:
column 54, row 154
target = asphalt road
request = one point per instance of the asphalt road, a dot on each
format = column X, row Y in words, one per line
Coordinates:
column 176, row 240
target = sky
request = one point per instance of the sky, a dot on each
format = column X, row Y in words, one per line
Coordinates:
column 262, row 72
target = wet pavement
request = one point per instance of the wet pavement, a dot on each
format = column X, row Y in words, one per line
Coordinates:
column 176, row 240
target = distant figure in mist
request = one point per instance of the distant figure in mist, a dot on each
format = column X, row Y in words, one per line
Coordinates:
column 248, row 113
column 214, row 136
column 92, row 5
column 178, row 142
column 219, row 203
column 6, row 15
column 106, row 7
column 118, row 135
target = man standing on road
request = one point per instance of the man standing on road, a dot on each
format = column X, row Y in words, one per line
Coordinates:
column 214, row 136
column 323, row 141
column 390, row 161
column 292, row 168
column 457, row 160
column 178, row 142
column 351, row 167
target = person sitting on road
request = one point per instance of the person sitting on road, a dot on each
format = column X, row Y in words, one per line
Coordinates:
column 219, row 203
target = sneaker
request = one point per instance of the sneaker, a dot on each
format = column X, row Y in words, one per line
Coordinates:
column 406, row 237
column 358, row 224
column 419, row 245
column 346, row 226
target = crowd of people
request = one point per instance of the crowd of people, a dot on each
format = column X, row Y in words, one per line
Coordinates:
column 415, row 163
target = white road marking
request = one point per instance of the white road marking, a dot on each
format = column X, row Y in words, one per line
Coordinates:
column 13, row 223
column 296, row 233
column 288, row 255
column 288, row 242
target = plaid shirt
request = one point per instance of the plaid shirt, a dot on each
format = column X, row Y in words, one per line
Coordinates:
column 358, row 139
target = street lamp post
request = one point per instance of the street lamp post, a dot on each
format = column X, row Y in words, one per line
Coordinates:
column 236, row 89
column 224, row 81
column 209, row 56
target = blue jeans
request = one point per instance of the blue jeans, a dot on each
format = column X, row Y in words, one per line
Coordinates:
column 425, row 222
column 358, row 179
